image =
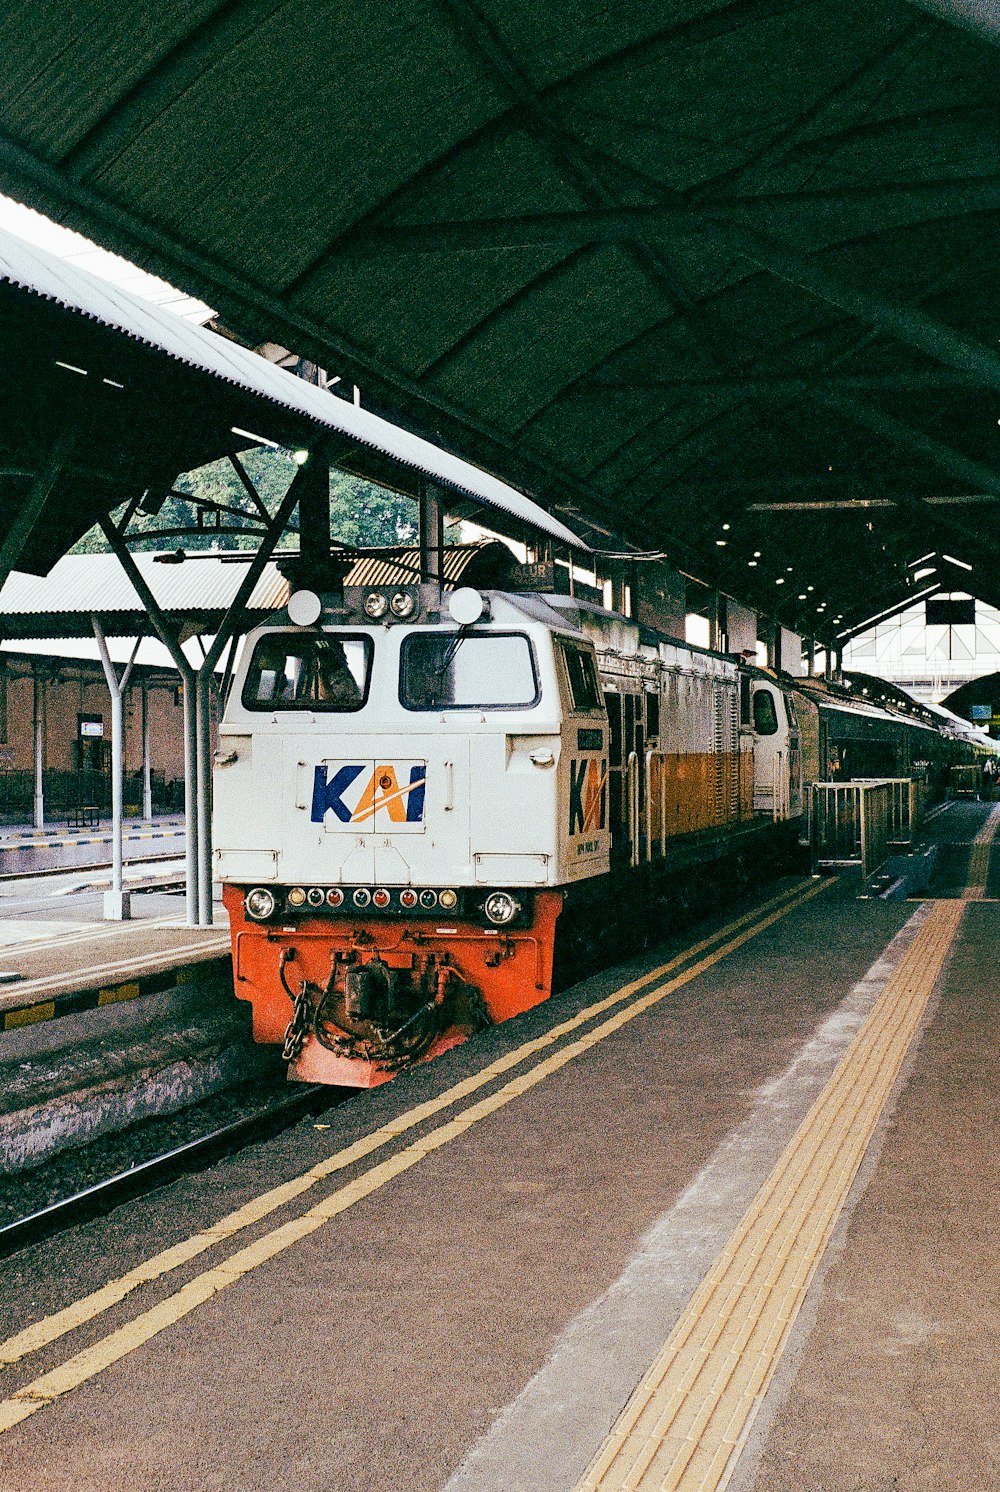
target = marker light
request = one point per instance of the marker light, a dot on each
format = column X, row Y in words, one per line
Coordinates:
column 362, row 897
column 335, row 897
column 375, row 605
column 408, row 899
column 428, row 899
column 403, row 605
column 259, row 903
column 500, row 907
column 304, row 608
column 448, row 899
column 381, row 899
column 466, row 606
column 297, row 897
column 314, row 896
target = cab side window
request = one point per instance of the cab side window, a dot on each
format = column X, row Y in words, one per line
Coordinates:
column 584, row 686
column 765, row 714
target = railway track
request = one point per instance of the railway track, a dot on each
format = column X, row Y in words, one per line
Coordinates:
column 192, row 1155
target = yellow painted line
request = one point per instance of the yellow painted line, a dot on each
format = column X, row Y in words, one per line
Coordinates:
column 126, row 1339
column 29, row 1015
column 979, row 860
column 117, row 994
column 144, row 963
column 51, row 1328
column 681, row 1429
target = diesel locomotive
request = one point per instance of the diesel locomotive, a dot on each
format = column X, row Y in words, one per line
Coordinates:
column 424, row 799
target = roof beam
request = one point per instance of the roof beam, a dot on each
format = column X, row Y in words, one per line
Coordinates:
column 923, row 446
column 931, row 380
column 571, row 157
column 980, row 16
column 44, row 186
column 33, row 503
column 985, row 478
column 844, row 504
column 676, row 211
column 166, row 79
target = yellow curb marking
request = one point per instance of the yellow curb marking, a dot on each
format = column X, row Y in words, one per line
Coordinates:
column 979, row 861
column 684, row 1424
column 126, row 1339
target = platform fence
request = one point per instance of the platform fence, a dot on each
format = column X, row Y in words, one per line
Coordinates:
column 849, row 824
column 67, row 793
column 907, row 806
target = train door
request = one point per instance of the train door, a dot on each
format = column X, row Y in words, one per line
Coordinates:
column 772, row 750
column 585, row 757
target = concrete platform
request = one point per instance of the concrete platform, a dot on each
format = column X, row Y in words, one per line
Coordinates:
column 464, row 1278
column 54, row 964
column 25, row 850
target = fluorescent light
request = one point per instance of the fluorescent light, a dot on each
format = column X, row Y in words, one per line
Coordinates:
column 953, row 561
column 260, row 440
column 70, row 367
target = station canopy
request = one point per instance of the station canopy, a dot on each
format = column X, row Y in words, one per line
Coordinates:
column 715, row 275
column 105, row 397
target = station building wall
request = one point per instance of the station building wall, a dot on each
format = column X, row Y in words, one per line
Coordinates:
column 73, row 688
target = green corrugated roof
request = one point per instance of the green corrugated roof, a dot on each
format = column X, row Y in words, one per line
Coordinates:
column 662, row 260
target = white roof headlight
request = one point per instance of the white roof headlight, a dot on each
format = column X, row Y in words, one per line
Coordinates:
column 403, row 604
column 304, row 608
column 500, row 907
column 259, row 903
column 466, row 606
column 375, row 605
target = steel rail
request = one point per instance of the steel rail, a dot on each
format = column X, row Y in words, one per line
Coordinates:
column 100, row 1197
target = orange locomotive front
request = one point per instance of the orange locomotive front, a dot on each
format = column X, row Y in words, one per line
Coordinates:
column 354, row 998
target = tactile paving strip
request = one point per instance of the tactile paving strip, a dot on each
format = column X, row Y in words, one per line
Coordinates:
column 979, row 861
column 684, row 1423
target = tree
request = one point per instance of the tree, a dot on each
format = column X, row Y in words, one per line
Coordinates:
column 362, row 514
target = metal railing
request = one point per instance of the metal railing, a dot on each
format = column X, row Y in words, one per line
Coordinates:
column 849, row 824
column 907, row 807
column 632, row 802
column 780, row 787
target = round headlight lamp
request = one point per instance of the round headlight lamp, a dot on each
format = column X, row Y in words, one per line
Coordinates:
column 403, row 605
column 381, row 898
column 314, row 896
column 362, row 896
column 297, row 896
column 448, row 899
column 335, row 897
column 501, row 908
column 259, row 903
column 428, row 899
column 375, row 605
column 408, row 899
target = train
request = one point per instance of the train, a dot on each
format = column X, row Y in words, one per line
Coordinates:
column 430, row 802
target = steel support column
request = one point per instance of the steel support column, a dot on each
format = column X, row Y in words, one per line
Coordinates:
column 147, row 786
column 116, row 901
column 431, row 519
column 304, row 480
column 38, row 724
column 167, row 636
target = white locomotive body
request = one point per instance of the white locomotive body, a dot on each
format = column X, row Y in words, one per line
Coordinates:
column 416, row 794
column 404, row 792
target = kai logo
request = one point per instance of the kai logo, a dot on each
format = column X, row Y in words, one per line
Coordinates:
column 588, row 795
column 369, row 795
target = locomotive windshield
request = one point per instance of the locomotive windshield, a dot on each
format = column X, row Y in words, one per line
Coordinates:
column 308, row 671
column 467, row 671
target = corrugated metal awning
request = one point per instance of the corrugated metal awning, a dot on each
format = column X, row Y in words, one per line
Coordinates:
column 61, row 603
column 33, row 270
